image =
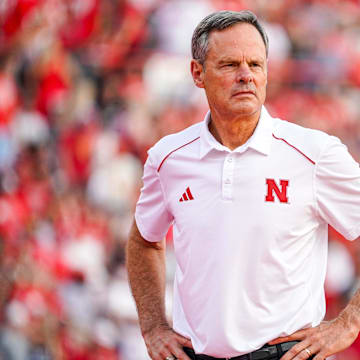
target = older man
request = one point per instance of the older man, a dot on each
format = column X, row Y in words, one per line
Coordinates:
column 250, row 198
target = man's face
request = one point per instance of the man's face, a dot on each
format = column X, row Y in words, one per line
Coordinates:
column 234, row 75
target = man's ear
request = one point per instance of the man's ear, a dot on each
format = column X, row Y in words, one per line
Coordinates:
column 197, row 72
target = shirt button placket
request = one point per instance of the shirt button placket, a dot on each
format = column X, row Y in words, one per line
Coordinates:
column 228, row 177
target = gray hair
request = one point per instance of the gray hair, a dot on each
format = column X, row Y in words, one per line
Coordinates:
column 219, row 21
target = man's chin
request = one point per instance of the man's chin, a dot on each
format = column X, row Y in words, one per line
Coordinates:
column 247, row 109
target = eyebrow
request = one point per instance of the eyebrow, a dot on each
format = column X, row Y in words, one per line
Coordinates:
column 233, row 60
column 227, row 60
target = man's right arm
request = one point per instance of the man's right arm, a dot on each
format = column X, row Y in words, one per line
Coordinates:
column 145, row 263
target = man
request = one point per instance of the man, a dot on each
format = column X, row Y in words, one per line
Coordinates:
column 250, row 198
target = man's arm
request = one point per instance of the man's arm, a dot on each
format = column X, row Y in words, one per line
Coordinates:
column 145, row 263
column 329, row 338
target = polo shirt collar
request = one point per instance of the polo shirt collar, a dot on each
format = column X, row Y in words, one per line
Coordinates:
column 259, row 141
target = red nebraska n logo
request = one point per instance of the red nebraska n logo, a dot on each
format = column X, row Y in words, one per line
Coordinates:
column 273, row 188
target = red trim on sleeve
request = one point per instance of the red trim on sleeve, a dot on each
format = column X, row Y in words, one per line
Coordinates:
column 162, row 162
column 299, row 151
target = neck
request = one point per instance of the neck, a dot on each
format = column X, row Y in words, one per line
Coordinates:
column 233, row 132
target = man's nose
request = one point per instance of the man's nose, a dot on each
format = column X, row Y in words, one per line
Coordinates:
column 244, row 74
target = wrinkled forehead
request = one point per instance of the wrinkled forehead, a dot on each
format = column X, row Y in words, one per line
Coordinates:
column 237, row 38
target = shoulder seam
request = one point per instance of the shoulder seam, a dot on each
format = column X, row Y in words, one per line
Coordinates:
column 295, row 148
column 163, row 160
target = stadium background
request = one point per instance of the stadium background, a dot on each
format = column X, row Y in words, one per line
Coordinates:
column 86, row 87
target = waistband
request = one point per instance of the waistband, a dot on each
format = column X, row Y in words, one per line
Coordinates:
column 267, row 352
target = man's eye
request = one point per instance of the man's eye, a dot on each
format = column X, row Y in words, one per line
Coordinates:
column 254, row 64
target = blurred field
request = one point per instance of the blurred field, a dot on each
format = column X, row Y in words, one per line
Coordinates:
column 86, row 87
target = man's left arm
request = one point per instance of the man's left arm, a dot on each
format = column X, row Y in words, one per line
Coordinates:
column 337, row 177
column 328, row 338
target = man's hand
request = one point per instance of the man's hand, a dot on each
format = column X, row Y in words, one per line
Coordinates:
column 163, row 341
column 329, row 338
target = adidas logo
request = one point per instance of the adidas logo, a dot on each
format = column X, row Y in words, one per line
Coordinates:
column 187, row 195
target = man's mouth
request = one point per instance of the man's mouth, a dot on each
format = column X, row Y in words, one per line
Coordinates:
column 243, row 93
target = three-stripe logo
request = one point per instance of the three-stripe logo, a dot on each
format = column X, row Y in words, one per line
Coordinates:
column 187, row 195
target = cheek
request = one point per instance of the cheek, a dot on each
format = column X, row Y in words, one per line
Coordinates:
column 261, row 85
column 219, row 85
column 226, row 84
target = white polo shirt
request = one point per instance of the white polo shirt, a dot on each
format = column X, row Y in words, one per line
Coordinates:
column 250, row 229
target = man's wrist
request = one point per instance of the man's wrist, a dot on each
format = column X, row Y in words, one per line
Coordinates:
column 350, row 318
column 145, row 330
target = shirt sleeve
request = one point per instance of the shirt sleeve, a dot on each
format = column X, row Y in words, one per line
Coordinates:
column 337, row 189
column 151, row 215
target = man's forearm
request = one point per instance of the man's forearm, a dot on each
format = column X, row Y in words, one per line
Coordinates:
column 146, row 270
column 351, row 313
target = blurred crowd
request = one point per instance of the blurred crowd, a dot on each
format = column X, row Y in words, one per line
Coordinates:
column 86, row 87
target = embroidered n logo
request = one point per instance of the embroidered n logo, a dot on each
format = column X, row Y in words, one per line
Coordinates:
column 272, row 188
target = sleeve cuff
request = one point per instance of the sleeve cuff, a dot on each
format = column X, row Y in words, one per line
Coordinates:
column 354, row 234
column 147, row 235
